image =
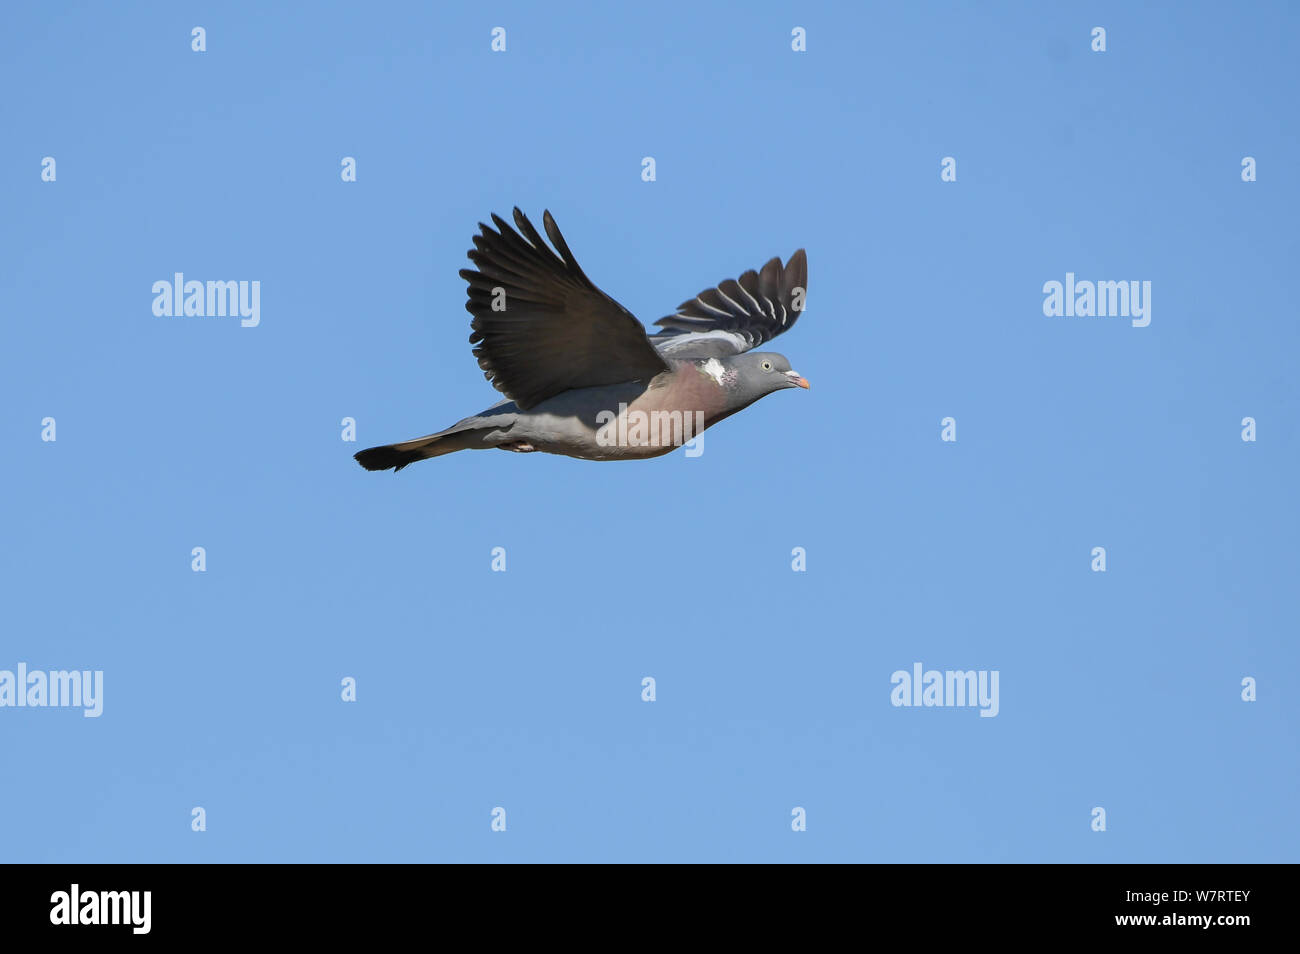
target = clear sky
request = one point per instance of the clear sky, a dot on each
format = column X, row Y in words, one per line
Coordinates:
column 522, row 689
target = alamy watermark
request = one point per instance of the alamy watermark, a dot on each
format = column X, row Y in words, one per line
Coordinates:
column 951, row 687
column 57, row 688
column 1085, row 299
column 624, row 428
column 194, row 299
column 128, row 908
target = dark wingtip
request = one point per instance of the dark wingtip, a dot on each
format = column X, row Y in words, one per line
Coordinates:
column 795, row 274
column 557, row 239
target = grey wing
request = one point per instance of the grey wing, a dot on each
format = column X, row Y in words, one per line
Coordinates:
column 738, row 314
column 540, row 326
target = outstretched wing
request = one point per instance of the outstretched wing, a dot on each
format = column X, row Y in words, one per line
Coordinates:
column 541, row 327
column 739, row 314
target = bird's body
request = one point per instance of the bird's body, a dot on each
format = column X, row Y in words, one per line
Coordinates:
column 581, row 376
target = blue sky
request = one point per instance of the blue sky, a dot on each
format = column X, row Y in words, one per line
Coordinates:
column 478, row 689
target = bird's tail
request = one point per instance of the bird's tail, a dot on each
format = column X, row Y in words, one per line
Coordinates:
column 397, row 456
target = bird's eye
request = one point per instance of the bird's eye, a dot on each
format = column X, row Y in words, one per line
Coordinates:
column 766, row 365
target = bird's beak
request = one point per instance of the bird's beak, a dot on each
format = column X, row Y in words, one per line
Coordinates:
column 796, row 380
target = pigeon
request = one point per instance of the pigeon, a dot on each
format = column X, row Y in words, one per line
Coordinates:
column 580, row 375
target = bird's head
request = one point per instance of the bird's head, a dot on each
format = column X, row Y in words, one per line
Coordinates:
column 762, row 372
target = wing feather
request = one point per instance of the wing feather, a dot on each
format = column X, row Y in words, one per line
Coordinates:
column 737, row 315
column 557, row 330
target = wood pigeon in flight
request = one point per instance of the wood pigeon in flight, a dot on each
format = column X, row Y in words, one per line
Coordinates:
column 581, row 376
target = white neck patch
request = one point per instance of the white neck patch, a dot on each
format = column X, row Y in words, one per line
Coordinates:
column 714, row 369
